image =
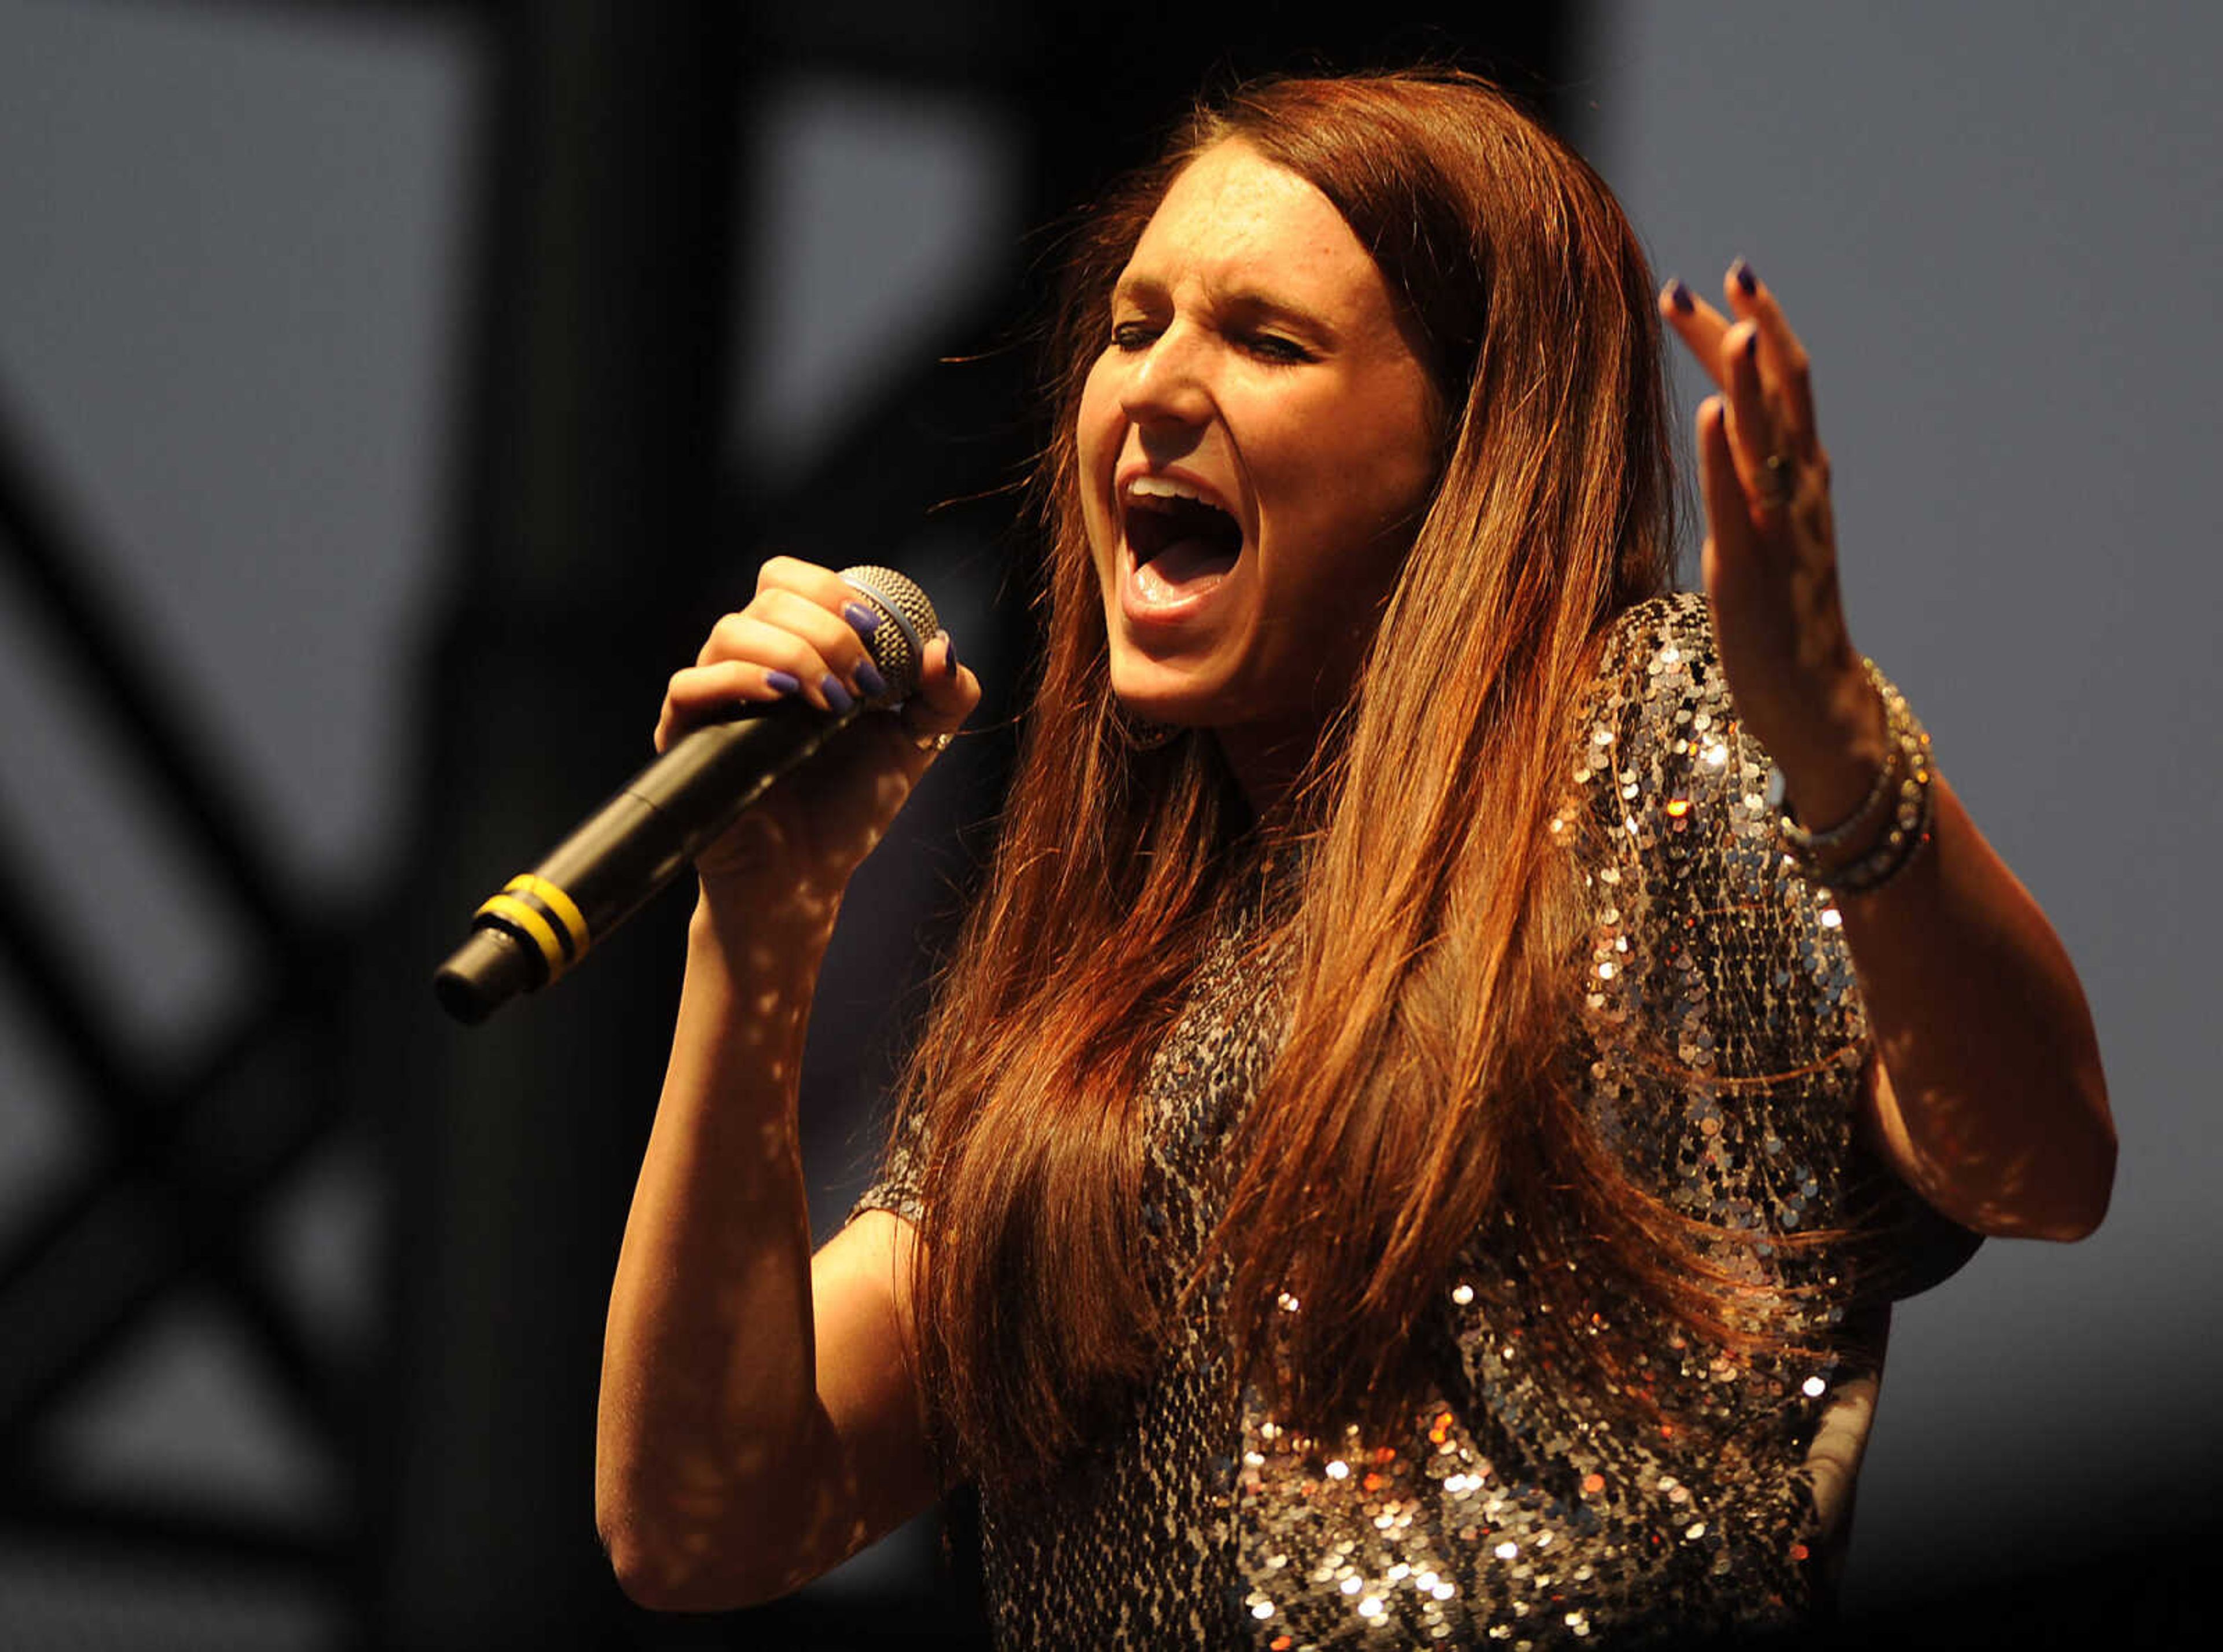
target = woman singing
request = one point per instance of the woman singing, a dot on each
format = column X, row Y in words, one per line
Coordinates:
column 1458, row 1047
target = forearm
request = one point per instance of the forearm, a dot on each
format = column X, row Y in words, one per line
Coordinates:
column 710, row 1428
column 1991, row 1100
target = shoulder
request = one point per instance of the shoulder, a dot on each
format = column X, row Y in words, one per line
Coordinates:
column 1676, row 621
column 1664, row 645
column 1662, row 754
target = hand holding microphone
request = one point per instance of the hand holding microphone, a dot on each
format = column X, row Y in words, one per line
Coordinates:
column 742, row 789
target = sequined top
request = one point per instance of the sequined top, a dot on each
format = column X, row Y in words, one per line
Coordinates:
column 1720, row 1032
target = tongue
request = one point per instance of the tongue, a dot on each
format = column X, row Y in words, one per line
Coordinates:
column 1185, row 568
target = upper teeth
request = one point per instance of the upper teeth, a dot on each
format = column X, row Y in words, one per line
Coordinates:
column 1163, row 487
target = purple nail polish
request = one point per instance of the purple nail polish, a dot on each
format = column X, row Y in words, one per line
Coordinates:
column 782, row 682
column 1751, row 345
column 837, row 698
column 949, row 654
column 870, row 680
column 861, row 619
column 1747, row 283
column 1679, row 296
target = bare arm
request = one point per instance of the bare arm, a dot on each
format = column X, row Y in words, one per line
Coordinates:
column 759, row 1419
column 1988, row 1098
column 758, row 1423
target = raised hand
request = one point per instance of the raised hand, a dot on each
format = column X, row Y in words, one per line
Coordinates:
column 803, row 636
column 1771, row 553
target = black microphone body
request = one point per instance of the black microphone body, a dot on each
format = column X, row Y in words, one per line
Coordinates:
column 544, row 921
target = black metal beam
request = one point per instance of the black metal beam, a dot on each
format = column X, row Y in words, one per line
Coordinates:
column 33, row 1518
column 56, row 564
column 170, row 1190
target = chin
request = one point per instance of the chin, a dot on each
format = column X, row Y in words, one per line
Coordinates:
column 1180, row 711
column 1161, row 694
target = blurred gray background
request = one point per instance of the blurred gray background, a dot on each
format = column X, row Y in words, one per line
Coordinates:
column 391, row 393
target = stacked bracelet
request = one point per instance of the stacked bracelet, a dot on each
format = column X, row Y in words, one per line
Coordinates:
column 1809, row 846
column 1893, row 821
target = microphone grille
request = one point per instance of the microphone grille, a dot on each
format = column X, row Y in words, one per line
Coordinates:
column 907, row 622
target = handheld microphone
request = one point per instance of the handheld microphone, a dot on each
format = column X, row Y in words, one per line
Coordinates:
column 544, row 921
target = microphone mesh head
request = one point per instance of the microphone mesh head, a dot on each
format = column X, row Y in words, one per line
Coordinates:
column 907, row 622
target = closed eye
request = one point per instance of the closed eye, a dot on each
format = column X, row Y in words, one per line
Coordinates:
column 1131, row 335
column 1270, row 346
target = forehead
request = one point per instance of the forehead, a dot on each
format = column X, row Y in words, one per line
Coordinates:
column 1235, row 221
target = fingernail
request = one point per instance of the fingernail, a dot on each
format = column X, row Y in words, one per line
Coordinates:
column 1751, row 345
column 862, row 620
column 782, row 682
column 1679, row 296
column 949, row 654
column 870, row 680
column 837, row 697
column 1747, row 283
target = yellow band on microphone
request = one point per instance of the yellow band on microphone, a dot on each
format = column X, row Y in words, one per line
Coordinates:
column 513, row 911
column 551, row 896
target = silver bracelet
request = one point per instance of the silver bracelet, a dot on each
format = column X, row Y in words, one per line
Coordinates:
column 1810, row 843
column 1904, row 782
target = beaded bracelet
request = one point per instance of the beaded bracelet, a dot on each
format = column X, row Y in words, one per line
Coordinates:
column 1809, row 843
column 1907, row 772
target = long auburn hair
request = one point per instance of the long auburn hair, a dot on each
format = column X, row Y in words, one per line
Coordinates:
column 1418, row 1089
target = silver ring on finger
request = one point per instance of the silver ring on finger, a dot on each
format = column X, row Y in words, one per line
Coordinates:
column 922, row 741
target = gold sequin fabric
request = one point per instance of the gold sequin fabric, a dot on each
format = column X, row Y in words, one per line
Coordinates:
column 1722, row 1040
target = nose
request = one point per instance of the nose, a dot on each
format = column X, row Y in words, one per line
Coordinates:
column 1167, row 385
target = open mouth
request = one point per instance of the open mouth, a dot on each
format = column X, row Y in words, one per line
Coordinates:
column 1181, row 540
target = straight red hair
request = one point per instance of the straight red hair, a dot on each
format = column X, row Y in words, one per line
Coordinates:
column 1428, row 982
